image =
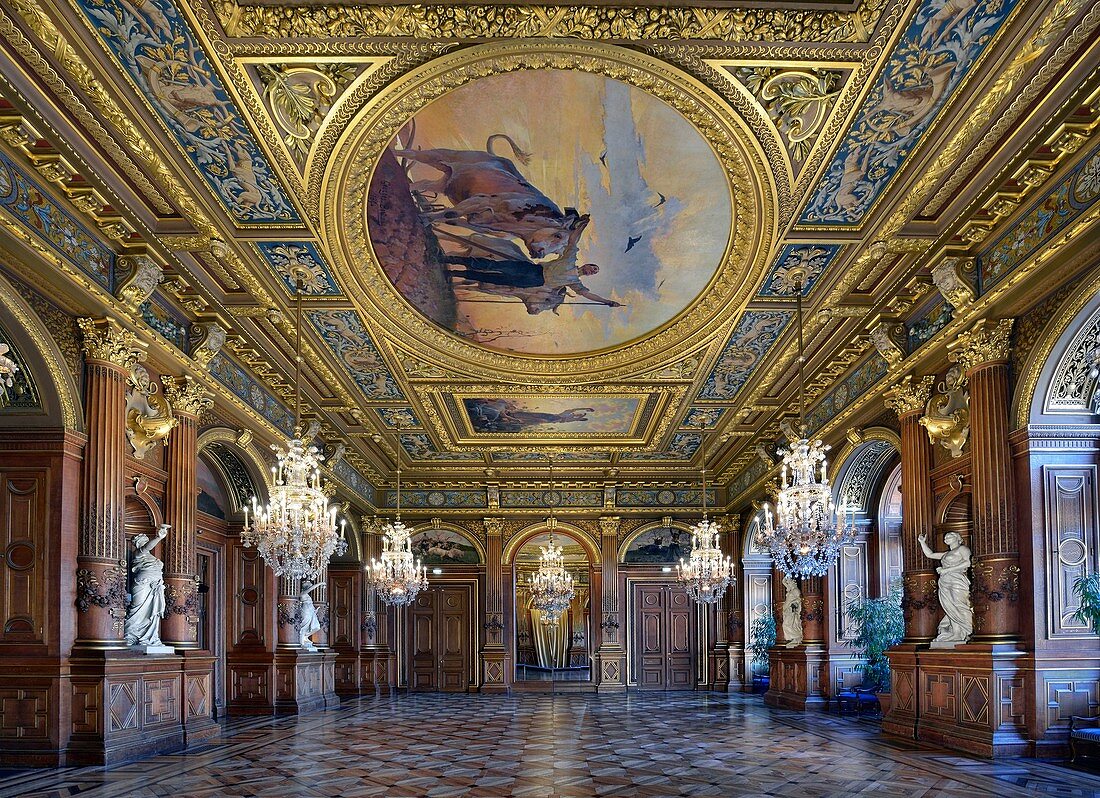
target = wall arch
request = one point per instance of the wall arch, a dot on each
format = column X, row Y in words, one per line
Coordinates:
column 1050, row 369
column 515, row 543
column 219, row 445
column 60, row 396
column 430, row 526
column 860, row 475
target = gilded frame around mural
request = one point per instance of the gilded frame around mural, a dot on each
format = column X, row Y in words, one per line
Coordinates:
column 648, row 429
column 352, row 165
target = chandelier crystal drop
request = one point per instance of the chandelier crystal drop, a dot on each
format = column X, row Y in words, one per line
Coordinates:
column 551, row 586
column 296, row 533
column 807, row 532
column 398, row 577
column 707, row 573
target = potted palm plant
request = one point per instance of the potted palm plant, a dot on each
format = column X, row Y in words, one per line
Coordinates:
column 878, row 625
column 761, row 638
column 1087, row 590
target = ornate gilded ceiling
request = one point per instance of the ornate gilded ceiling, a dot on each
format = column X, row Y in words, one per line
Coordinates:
column 527, row 229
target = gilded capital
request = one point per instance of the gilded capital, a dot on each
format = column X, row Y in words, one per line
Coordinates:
column 909, row 395
column 494, row 527
column 108, row 341
column 986, row 342
column 186, row 394
column 609, row 526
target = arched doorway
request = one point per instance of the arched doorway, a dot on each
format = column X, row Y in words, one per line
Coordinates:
column 549, row 652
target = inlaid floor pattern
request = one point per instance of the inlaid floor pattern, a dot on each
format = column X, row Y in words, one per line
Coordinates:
column 543, row 745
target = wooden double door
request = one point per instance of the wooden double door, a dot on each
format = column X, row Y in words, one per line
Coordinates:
column 664, row 623
column 439, row 640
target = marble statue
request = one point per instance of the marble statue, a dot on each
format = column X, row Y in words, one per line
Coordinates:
column 147, row 604
column 792, row 612
column 954, row 591
column 307, row 610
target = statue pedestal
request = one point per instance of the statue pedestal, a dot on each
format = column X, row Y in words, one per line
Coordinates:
column 795, row 676
column 125, row 705
column 972, row 698
column 305, row 681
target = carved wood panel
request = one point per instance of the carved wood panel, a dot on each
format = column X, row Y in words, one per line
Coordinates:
column 249, row 627
column 1069, row 517
column 851, row 584
column 25, row 713
column 24, row 531
column 343, row 603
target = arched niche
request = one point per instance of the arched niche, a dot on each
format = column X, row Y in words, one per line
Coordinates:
column 521, row 537
column 1053, row 385
column 563, row 650
column 862, row 466
column 752, row 553
column 240, row 468
column 439, row 544
column 662, row 542
column 58, row 397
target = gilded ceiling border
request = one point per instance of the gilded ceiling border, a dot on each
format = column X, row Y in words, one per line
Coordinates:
column 752, row 196
column 506, row 21
column 647, row 436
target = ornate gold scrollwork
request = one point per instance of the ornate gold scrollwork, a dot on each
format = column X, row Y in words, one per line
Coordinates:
column 947, row 416
column 142, row 280
column 149, row 416
column 986, row 342
column 909, row 396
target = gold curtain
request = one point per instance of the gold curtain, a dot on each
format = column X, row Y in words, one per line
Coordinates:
column 551, row 639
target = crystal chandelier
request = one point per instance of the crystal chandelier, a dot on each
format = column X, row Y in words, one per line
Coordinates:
column 296, row 532
column 398, row 577
column 551, row 585
column 810, row 531
column 707, row 573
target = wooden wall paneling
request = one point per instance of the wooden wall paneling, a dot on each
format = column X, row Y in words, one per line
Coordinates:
column 344, row 587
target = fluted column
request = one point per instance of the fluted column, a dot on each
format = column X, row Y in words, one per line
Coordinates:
column 908, row 398
column 188, row 399
column 983, row 352
column 611, row 656
column 110, row 352
column 494, row 653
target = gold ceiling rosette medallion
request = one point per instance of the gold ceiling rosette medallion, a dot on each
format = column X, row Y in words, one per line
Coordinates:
column 550, row 212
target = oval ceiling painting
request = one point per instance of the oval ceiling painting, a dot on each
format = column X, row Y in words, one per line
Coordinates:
column 549, row 212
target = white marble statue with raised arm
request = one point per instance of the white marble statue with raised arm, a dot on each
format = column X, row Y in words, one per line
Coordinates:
column 147, row 604
column 307, row 610
column 792, row 612
column 954, row 590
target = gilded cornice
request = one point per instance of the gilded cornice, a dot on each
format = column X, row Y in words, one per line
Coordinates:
column 38, row 21
column 986, row 342
column 108, row 341
column 500, row 21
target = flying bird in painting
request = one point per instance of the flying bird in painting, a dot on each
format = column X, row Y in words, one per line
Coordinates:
column 603, row 157
column 663, row 199
column 630, row 242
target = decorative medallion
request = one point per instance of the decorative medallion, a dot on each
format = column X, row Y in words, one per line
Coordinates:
column 519, row 205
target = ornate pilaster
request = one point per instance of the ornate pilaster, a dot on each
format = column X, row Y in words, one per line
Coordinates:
column 188, row 399
column 494, row 654
column 610, row 656
column 909, row 398
column 983, row 352
column 110, row 352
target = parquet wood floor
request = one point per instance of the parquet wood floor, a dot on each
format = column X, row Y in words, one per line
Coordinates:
column 546, row 745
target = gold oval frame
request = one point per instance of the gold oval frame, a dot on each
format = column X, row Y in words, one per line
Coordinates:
column 347, row 180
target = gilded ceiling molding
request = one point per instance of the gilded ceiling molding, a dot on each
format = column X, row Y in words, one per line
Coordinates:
column 499, row 21
column 142, row 278
column 978, row 120
column 354, row 261
column 38, row 21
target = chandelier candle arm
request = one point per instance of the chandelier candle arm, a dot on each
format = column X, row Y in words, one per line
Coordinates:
column 807, row 531
column 707, row 574
column 296, row 532
column 398, row 577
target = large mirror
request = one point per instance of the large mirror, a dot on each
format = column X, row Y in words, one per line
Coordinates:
column 549, row 650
